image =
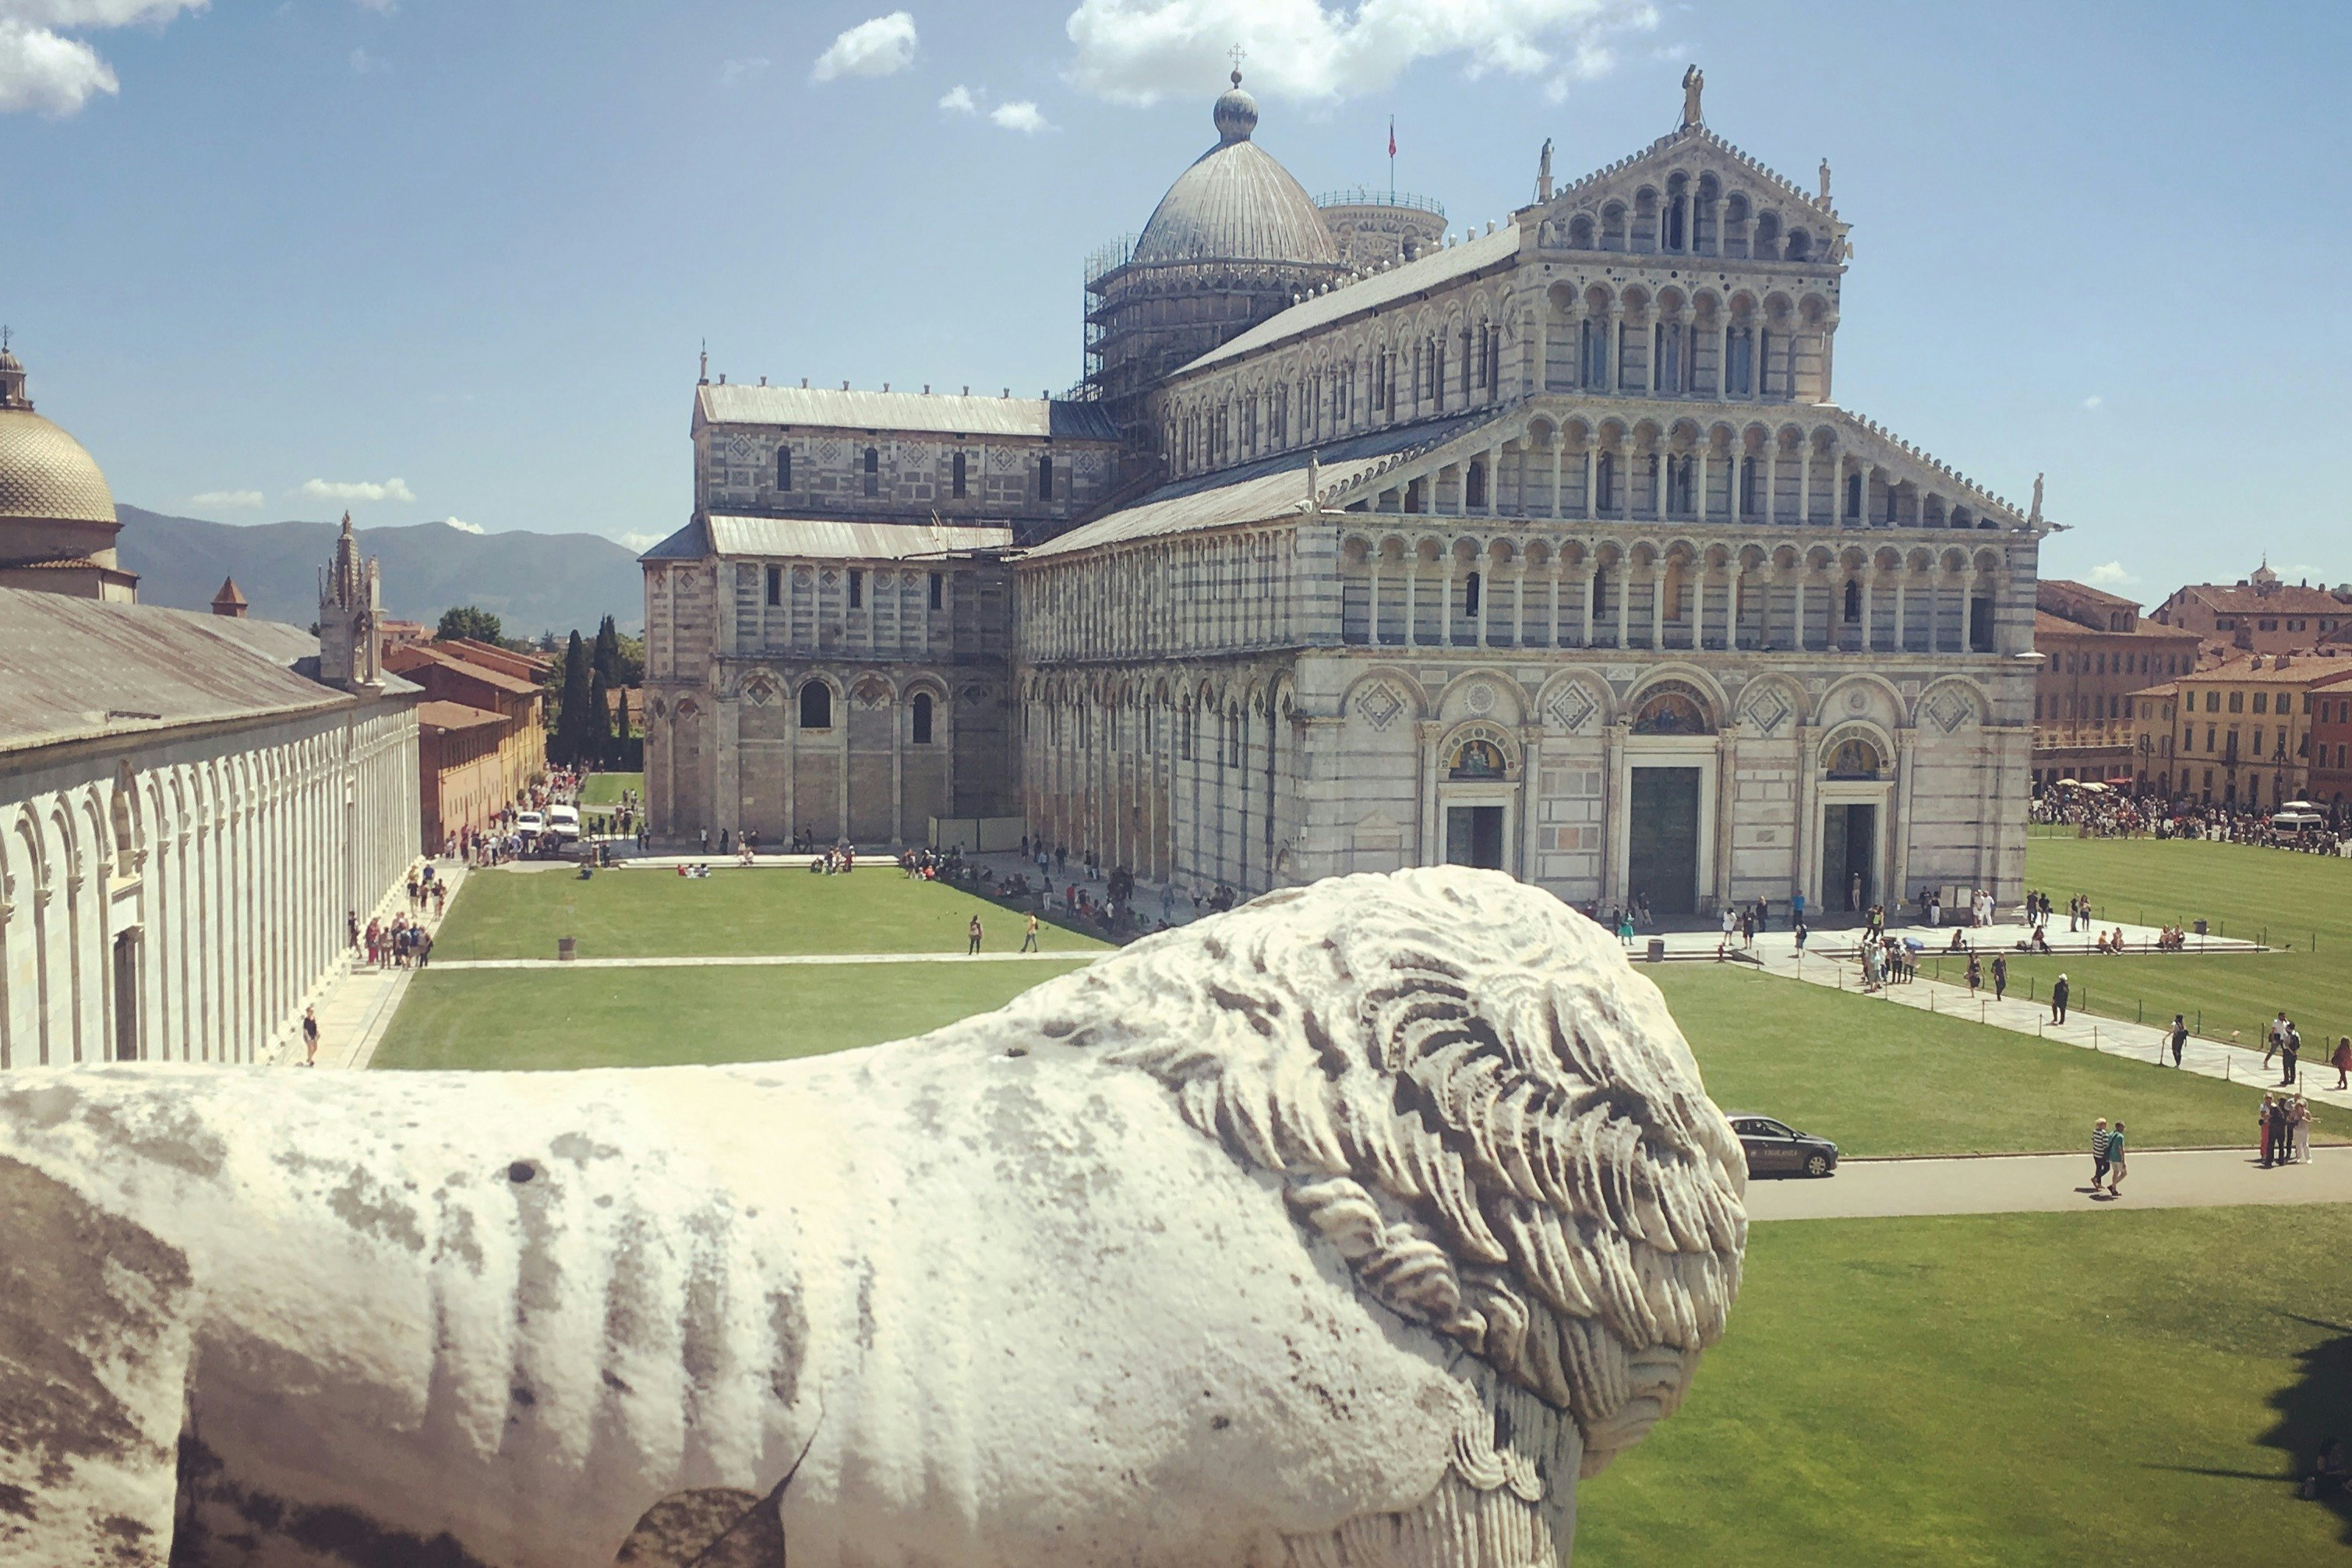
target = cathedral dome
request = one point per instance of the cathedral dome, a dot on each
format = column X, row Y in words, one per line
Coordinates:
column 1235, row 203
column 46, row 475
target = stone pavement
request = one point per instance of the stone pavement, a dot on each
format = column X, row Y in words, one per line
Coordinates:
column 356, row 1002
column 2049, row 1183
column 2111, row 1037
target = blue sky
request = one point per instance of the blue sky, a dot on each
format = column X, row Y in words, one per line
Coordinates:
column 280, row 256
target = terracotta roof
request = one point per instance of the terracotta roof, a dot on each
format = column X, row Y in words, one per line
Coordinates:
column 2283, row 600
column 2083, row 590
column 2301, row 670
column 2170, row 689
column 2047, row 624
column 439, row 715
column 228, row 594
column 417, row 656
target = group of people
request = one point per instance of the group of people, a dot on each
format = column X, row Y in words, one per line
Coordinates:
column 403, row 944
column 2113, row 813
column 1982, row 910
column 2284, row 1130
column 2107, row 1158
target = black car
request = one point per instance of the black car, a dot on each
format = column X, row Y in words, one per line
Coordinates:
column 1776, row 1149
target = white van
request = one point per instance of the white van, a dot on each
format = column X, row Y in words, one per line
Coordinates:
column 564, row 823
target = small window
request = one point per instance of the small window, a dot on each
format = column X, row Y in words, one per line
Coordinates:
column 1470, row 595
column 817, row 706
column 1852, row 603
column 873, row 471
column 783, row 469
column 2262, row 703
column 1045, row 477
column 938, row 589
column 775, row 584
column 2237, row 702
column 922, row 706
column 1474, row 486
column 956, row 479
column 856, row 588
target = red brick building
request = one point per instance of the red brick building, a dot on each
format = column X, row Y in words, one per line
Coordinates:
column 2096, row 651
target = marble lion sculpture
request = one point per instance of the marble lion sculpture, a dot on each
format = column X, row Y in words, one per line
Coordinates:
column 1346, row 1230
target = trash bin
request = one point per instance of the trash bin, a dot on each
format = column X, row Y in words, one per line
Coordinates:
column 2200, row 928
column 1657, row 950
column 564, row 948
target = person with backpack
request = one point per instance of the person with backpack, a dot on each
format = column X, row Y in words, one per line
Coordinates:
column 2059, row 992
column 2178, row 1038
column 1999, row 976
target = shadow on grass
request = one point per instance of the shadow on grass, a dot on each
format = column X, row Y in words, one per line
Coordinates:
column 2315, row 1408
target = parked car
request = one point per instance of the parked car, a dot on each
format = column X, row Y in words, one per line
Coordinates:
column 530, row 824
column 564, row 823
column 1776, row 1149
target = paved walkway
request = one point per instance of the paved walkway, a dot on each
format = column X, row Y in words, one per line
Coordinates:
column 747, row 960
column 2111, row 1037
column 356, row 1002
column 2045, row 1184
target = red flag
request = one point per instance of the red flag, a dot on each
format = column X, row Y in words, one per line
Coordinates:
column 1391, row 136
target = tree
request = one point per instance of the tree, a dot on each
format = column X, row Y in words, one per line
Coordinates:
column 631, row 667
column 597, row 744
column 470, row 621
column 571, row 732
column 607, row 662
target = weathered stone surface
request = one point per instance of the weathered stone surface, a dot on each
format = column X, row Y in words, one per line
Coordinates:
column 1350, row 1227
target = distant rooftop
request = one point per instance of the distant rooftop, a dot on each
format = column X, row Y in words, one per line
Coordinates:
column 1366, row 196
column 945, row 414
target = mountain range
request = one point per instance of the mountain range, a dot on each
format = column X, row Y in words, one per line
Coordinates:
column 532, row 582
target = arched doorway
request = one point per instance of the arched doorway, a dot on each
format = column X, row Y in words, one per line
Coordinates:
column 1668, row 825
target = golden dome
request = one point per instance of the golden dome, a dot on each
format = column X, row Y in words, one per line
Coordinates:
column 45, row 474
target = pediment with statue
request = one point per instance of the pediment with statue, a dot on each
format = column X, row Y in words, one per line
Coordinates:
column 1643, row 205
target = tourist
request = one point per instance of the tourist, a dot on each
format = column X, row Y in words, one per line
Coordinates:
column 2059, row 992
column 310, row 1036
column 2273, row 1037
column 2179, row 1037
column 2331, row 1474
column 2342, row 1061
column 1747, row 926
column 972, row 936
column 2290, row 1049
column 1028, row 937
column 1976, row 976
column 1999, row 976
column 1801, row 933
column 1730, row 929
column 2264, row 1141
column 2115, row 1162
column 1797, row 909
column 2101, row 1139
column 2298, row 1121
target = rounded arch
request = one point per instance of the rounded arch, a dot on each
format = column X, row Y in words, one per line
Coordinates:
column 1855, row 749
column 1676, row 699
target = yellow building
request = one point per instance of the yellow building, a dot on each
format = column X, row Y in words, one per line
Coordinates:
column 2240, row 733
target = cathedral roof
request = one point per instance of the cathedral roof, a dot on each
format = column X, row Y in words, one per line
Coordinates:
column 46, row 475
column 1433, row 269
column 1237, row 202
column 722, row 404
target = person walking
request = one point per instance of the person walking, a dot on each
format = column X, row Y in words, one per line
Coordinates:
column 1976, row 975
column 2178, row 1038
column 1028, row 937
column 2273, row 1037
column 2059, row 992
column 2115, row 1162
column 2290, row 1052
column 310, row 1036
column 2342, row 1061
column 2100, row 1141
column 1801, row 933
column 971, row 936
column 1999, row 976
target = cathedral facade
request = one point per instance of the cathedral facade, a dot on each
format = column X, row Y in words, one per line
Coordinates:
column 1544, row 549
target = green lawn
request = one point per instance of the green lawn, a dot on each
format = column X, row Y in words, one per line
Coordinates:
column 661, row 1018
column 2302, row 902
column 2005, row 1392
column 1876, row 1079
column 604, row 789
column 652, row 913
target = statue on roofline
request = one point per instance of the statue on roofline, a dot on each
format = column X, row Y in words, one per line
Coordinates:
column 1693, row 83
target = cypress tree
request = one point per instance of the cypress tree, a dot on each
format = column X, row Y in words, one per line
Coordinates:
column 608, row 654
column 571, row 719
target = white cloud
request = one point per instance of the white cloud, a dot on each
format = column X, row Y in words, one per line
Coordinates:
column 227, row 500
column 736, row 72
column 958, row 99
column 640, row 543
column 874, row 48
column 366, row 64
column 2111, row 574
column 462, row 526
column 1137, row 52
column 358, row 489
column 2094, row 403
column 1022, row 116
column 381, row 8
column 43, row 69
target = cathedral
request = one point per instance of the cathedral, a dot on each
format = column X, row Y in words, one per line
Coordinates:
column 1366, row 544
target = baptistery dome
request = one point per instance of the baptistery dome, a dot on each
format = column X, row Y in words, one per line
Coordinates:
column 57, row 516
column 1236, row 202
